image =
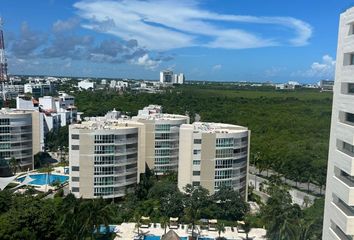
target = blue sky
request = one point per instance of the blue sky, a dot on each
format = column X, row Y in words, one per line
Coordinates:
column 219, row 40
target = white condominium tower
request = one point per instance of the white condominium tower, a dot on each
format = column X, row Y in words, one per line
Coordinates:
column 339, row 204
column 161, row 138
column 212, row 155
column 103, row 157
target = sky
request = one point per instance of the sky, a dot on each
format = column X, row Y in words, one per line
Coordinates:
column 216, row 40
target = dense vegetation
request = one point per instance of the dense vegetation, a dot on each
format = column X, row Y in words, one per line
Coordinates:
column 28, row 217
column 284, row 220
column 290, row 130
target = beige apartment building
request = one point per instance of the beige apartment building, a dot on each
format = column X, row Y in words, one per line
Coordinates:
column 212, row 155
column 161, row 138
column 19, row 138
column 104, row 157
column 339, row 203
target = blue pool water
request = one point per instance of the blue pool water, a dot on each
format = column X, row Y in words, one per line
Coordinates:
column 104, row 230
column 154, row 237
column 42, row 179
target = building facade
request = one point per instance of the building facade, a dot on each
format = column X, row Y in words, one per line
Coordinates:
column 161, row 135
column 339, row 203
column 16, row 139
column 103, row 158
column 212, row 155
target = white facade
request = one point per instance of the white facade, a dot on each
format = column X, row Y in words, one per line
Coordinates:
column 339, row 203
column 181, row 78
column 166, row 76
column 103, row 158
column 161, row 138
column 86, row 84
column 212, row 155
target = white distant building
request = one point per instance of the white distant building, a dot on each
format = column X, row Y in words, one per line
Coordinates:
column 181, row 78
column 166, row 76
column 86, row 85
column 284, row 86
column 339, row 203
column 55, row 112
column 38, row 89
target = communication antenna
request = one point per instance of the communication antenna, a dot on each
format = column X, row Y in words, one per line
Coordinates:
column 3, row 62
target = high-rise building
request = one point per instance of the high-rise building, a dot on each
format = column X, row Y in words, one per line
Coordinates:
column 161, row 138
column 104, row 157
column 212, row 155
column 19, row 139
column 166, row 76
column 339, row 203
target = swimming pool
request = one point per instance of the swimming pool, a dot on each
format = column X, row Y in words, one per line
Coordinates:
column 43, row 179
column 154, row 237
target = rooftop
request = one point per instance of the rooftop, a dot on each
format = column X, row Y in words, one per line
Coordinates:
column 101, row 123
column 210, row 127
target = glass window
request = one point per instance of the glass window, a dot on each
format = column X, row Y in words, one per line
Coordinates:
column 75, row 147
column 350, row 87
column 75, row 168
column 196, row 162
column 197, row 141
column 196, row 173
column 75, row 136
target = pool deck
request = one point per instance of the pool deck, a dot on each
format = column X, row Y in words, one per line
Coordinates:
column 127, row 231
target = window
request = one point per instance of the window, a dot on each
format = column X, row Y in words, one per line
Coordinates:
column 196, row 162
column 196, row 173
column 197, row 141
column 196, row 151
column 75, row 136
column 349, row 117
column 75, row 147
column 75, row 189
column 195, row 184
column 351, row 59
column 75, row 168
column 75, row 179
column 350, row 87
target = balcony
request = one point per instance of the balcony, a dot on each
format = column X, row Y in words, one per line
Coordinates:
column 344, row 188
column 337, row 234
column 344, row 161
column 343, row 216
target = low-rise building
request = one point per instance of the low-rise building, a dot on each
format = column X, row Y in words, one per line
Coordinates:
column 86, row 85
column 212, row 155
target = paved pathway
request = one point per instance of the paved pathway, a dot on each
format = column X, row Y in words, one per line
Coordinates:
column 315, row 189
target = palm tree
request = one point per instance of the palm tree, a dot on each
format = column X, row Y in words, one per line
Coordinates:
column 247, row 228
column 14, row 164
column 95, row 214
column 137, row 220
column 220, row 227
column 164, row 222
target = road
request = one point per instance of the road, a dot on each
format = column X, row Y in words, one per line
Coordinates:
column 315, row 189
column 296, row 195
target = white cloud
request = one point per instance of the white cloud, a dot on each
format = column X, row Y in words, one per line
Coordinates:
column 165, row 25
column 146, row 62
column 65, row 25
column 216, row 67
column 323, row 69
